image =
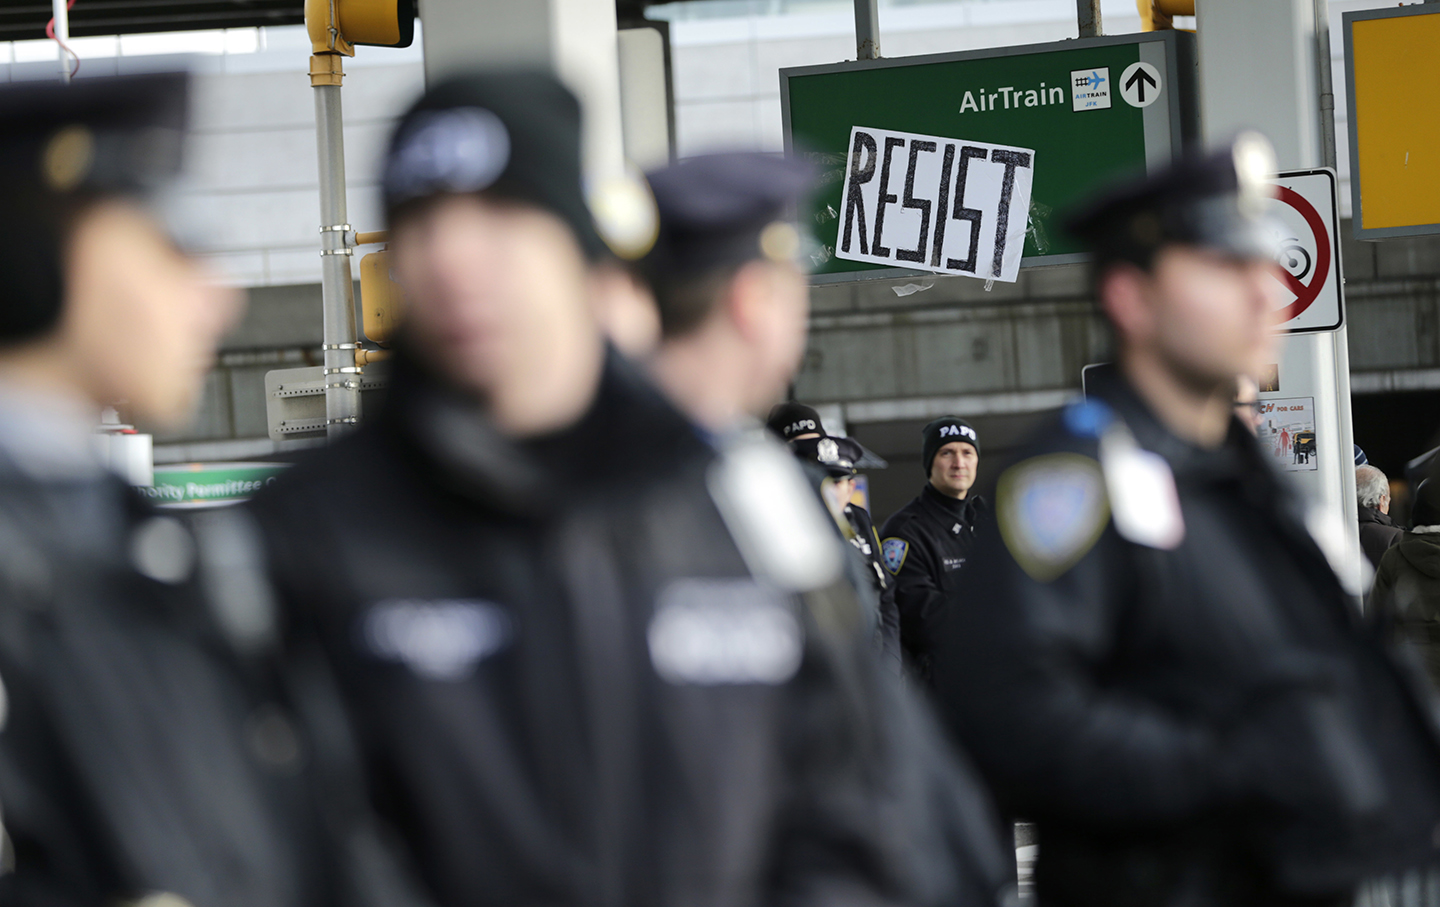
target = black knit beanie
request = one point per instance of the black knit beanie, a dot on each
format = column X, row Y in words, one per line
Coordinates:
column 513, row 134
column 787, row 420
column 941, row 432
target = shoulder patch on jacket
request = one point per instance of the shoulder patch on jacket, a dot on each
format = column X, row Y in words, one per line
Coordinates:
column 1052, row 510
column 783, row 532
column 892, row 553
column 1087, row 418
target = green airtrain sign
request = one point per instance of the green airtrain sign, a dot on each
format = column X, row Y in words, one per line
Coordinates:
column 1092, row 110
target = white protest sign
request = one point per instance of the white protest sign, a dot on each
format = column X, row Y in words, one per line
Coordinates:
column 947, row 205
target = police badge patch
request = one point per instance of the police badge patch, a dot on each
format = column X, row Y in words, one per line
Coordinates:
column 827, row 450
column 892, row 553
column 1052, row 510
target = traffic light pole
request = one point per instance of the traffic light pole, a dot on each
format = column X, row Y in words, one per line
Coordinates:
column 342, row 375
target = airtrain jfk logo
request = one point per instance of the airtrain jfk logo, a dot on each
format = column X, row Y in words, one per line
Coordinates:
column 1090, row 89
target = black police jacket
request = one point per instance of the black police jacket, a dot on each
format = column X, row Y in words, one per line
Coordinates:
column 145, row 747
column 866, row 541
column 1206, row 724
column 573, row 688
column 924, row 546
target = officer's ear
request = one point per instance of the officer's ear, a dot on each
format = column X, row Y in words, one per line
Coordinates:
column 625, row 309
column 1125, row 297
column 746, row 299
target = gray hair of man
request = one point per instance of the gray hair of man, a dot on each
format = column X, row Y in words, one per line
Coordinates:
column 1370, row 486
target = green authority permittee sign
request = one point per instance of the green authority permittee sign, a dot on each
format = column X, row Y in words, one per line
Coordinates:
column 188, row 485
column 1086, row 112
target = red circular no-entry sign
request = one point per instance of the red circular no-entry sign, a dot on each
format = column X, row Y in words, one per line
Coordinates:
column 1305, row 293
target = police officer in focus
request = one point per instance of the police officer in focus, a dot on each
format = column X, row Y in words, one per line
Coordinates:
column 1154, row 661
column 589, row 663
column 925, row 544
column 149, row 747
column 833, row 460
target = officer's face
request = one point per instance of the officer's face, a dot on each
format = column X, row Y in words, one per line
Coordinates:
column 772, row 308
column 141, row 320
column 952, row 472
column 1204, row 317
column 496, row 291
column 843, row 488
column 1247, row 403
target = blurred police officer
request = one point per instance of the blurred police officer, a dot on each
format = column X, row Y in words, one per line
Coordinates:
column 593, row 660
column 834, row 460
column 1154, row 660
column 146, row 748
column 836, row 457
column 733, row 301
column 926, row 543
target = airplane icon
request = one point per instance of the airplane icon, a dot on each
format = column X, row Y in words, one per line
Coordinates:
column 1096, row 79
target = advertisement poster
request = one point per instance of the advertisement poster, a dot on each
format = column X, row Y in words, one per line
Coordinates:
column 1287, row 432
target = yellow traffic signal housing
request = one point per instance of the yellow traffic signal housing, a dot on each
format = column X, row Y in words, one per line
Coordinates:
column 381, row 299
column 1158, row 15
column 336, row 26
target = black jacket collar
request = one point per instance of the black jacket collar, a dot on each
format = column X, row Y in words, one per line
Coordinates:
column 628, row 433
column 959, row 508
column 947, row 511
column 1371, row 515
column 1238, row 456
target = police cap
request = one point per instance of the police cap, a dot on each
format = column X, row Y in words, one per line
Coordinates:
column 837, row 456
column 723, row 210
column 1214, row 201
column 511, row 134
column 63, row 147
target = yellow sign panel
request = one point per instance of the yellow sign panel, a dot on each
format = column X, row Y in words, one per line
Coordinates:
column 1392, row 59
column 382, row 302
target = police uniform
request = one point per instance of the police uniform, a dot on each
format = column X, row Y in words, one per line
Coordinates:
column 1155, row 662
column 924, row 546
column 148, row 745
column 624, row 684
column 836, row 457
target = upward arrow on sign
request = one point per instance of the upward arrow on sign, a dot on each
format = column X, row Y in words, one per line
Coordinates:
column 1141, row 76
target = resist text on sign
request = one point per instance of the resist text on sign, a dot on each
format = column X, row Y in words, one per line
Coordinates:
column 939, row 204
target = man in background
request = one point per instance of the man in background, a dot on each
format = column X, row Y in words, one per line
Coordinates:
column 925, row 544
column 1377, row 531
column 1405, row 598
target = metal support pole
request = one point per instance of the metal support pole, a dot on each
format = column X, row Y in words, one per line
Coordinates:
column 342, row 375
column 867, row 29
column 61, row 11
column 1325, row 83
column 1087, row 16
column 1325, row 86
